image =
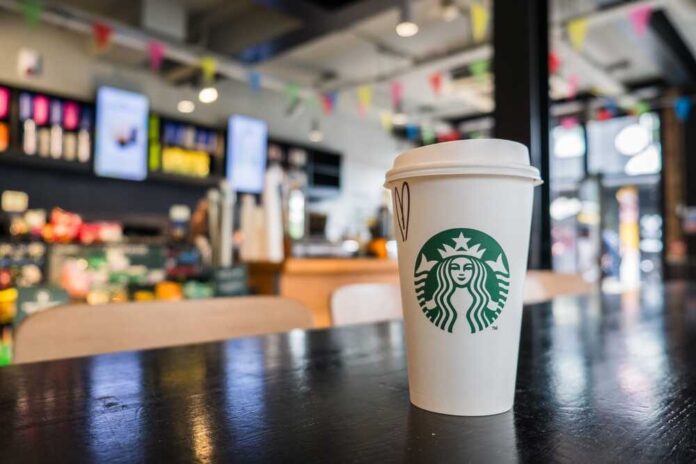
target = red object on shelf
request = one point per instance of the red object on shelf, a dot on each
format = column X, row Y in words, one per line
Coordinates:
column 64, row 227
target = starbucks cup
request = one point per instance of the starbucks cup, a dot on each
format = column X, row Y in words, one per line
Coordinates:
column 462, row 216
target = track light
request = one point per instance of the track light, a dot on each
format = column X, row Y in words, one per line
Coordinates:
column 208, row 94
column 185, row 106
column 406, row 27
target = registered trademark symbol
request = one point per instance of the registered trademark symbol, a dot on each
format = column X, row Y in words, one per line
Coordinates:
column 494, row 327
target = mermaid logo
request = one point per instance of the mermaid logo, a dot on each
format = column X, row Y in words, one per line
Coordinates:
column 462, row 272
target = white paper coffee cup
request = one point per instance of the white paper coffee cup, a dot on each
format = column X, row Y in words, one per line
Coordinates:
column 462, row 217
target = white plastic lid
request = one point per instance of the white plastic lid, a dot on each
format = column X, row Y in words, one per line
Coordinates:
column 487, row 157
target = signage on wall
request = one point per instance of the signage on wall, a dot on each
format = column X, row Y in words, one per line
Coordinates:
column 247, row 141
column 121, row 134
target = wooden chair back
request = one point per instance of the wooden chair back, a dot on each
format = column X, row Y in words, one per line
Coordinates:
column 82, row 330
column 545, row 285
column 362, row 303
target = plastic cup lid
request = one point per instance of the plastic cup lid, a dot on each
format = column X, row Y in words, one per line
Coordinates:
column 484, row 157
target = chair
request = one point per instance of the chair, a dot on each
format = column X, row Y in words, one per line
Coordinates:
column 545, row 285
column 361, row 303
column 82, row 330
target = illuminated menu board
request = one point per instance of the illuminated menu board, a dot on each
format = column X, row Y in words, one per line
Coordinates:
column 247, row 140
column 121, row 134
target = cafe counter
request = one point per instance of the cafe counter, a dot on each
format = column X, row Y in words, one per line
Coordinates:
column 312, row 281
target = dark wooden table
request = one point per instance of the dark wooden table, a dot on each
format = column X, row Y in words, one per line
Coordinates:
column 610, row 379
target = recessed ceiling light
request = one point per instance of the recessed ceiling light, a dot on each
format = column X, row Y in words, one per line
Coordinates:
column 185, row 106
column 208, row 95
column 406, row 27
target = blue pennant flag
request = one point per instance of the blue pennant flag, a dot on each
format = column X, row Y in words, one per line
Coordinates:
column 412, row 132
column 682, row 108
column 255, row 81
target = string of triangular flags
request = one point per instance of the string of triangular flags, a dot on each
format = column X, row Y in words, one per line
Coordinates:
column 577, row 28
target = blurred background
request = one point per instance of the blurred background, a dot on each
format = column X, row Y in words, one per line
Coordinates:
column 181, row 149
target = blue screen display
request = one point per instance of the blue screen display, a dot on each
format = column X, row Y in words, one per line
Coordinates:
column 247, row 141
column 121, row 134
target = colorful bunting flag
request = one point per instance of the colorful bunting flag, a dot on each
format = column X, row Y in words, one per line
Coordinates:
column 479, row 69
column 577, row 32
column 328, row 101
column 554, row 62
column 611, row 105
column 640, row 108
column 292, row 93
column 102, row 35
column 364, row 98
column 412, row 132
column 603, row 114
column 436, row 82
column 31, row 10
column 573, row 83
column 640, row 17
column 479, row 21
column 385, row 118
column 396, row 93
column 682, row 108
column 427, row 135
column 208, row 68
column 156, row 52
column 255, row 81
column 569, row 122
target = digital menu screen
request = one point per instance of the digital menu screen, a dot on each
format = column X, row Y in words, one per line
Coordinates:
column 247, row 140
column 121, row 134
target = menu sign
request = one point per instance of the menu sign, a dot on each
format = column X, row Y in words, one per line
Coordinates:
column 247, row 141
column 121, row 134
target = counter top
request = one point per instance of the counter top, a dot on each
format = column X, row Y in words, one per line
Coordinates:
column 600, row 379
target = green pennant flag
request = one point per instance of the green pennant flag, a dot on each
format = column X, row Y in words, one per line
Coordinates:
column 479, row 68
column 292, row 92
column 640, row 108
column 31, row 10
column 427, row 135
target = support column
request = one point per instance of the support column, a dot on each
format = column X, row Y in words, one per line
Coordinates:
column 520, row 41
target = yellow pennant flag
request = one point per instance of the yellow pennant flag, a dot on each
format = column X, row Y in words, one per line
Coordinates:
column 577, row 32
column 385, row 117
column 479, row 21
column 208, row 68
column 364, row 98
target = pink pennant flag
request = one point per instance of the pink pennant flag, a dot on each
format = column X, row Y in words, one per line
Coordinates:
column 569, row 122
column 156, row 51
column 436, row 82
column 572, row 86
column 396, row 91
column 640, row 17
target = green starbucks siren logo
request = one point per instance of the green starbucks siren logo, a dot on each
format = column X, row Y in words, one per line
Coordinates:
column 462, row 274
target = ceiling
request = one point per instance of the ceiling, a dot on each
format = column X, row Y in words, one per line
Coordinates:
column 341, row 44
